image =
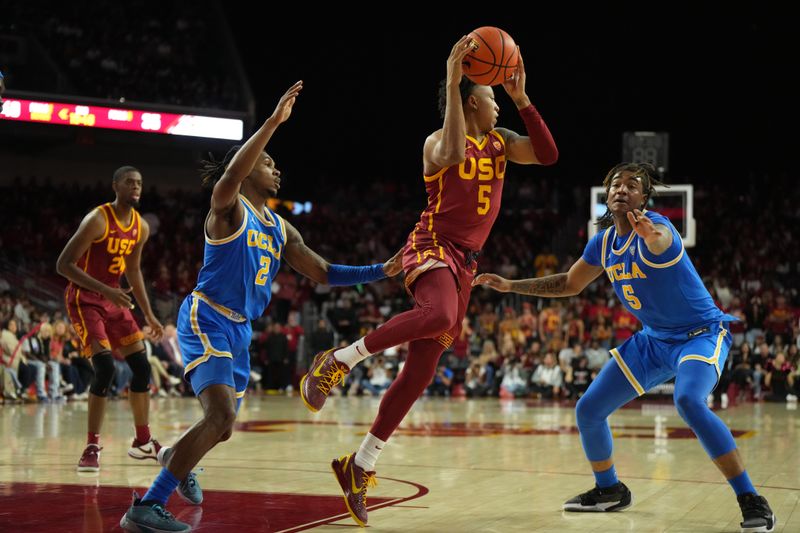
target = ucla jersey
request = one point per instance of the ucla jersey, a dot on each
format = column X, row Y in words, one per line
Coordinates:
column 238, row 270
column 663, row 291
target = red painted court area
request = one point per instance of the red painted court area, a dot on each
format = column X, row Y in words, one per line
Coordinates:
column 33, row 507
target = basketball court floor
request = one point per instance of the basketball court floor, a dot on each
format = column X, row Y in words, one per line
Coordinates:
column 455, row 465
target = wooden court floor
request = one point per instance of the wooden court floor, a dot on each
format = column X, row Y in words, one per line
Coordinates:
column 455, row 465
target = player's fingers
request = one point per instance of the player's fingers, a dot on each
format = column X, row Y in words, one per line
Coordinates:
column 128, row 289
column 631, row 217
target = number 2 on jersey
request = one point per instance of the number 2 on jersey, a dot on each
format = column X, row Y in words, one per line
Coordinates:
column 632, row 300
column 263, row 272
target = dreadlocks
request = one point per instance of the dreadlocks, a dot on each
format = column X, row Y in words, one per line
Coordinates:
column 212, row 170
column 644, row 171
column 464, row 87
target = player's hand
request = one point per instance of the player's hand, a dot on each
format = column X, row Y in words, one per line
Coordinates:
column 119, row 297
column 643, row 226
column 155, row 325
column 515, row 85
column 464, row 46
column 493, row 281
column 394, row 266
column 284, row 107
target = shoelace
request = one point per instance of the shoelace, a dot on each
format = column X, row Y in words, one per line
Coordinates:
column 162, row 512
column 590, row 497
column 369, row 481
column 191, row 479
column 754, row 507
column 332, row 377
column 92, row 450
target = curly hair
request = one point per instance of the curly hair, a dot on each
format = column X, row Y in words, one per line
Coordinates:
column 644, row 171
column 465, row 88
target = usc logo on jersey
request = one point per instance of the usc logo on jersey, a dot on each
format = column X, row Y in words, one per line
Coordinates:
column 119, row 248
column 485, row 168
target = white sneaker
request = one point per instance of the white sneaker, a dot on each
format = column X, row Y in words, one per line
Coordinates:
column 791, row 398
column 173, row 380
column 710, row 401
column 724, row 400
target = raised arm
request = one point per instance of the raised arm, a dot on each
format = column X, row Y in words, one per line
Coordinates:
column 133, row 273
column 307, row 262
column 226, row 190
column 447, row 146
column 538, row 147
column 92, row 228
column 657, row 237
column 565, row 284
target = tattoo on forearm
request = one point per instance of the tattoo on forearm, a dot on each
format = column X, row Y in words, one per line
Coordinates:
column 546, row 286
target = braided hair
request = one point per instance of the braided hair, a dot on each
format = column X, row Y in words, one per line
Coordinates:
column 212, row 170
column 644, row 171
column 464, row 87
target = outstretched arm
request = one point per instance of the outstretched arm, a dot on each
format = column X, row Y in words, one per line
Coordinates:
column 447, row 146
column 657, row 237
column 569, row 283
column 307, row 262
column 538, row 147
column 227, row 188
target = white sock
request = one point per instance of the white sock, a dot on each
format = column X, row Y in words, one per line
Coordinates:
column 368, row 453
column 353, row 354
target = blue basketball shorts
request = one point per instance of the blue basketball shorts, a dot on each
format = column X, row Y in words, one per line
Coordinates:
column 215, row 348
column 646, row 361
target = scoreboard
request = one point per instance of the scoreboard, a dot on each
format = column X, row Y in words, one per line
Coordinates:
column 120, row 118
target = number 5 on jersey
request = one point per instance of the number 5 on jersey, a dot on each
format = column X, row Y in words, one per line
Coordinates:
column 483, row 198
column 263, row 272
column 632, row 300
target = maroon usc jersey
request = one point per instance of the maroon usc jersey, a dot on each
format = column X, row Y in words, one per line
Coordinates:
column 464, row 199
column 91, row 314
column 105, row 258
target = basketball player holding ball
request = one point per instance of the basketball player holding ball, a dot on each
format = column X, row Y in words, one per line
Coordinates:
column 464, row 169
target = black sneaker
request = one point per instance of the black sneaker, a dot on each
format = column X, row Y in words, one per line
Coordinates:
column 758, row 517
column 597, row 500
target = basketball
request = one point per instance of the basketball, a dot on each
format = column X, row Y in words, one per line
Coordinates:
column 494, row 58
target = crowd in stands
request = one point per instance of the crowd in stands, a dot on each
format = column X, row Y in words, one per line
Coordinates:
column 136, row 53
column 509, row 346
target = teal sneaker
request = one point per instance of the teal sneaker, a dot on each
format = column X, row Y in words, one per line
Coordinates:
column 189, row 489
column 147, row 517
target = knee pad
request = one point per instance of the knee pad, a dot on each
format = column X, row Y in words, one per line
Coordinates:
column 140, row 366
column 103, row 364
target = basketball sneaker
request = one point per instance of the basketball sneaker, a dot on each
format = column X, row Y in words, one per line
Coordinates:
column 325, row 373
column 189, row 489
column 354, row 481
column 614, row 498
column 758, row 517
column 144, row 450
column 150, row 516
column 90, row 459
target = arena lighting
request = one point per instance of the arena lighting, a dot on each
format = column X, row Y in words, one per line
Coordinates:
column 296, row 208
column 118, row 118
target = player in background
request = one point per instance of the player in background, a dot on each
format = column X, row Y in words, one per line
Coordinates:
column 685, row 336
column 464, row 166
column 244, row 244
column 107, row 245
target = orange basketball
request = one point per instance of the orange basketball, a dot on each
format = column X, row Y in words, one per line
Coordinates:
column 494, row 59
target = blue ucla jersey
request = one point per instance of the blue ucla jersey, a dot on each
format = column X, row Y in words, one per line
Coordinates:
column 663, row 291
column 238, row 270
